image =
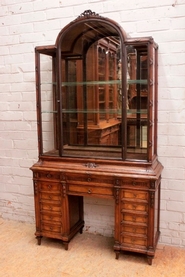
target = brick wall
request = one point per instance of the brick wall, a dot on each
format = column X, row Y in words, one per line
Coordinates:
column 25, row 24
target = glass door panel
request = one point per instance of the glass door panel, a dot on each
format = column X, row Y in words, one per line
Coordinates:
column 137, row 108
column 49, row 112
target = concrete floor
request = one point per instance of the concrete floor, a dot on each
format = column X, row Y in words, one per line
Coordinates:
column 89, row 255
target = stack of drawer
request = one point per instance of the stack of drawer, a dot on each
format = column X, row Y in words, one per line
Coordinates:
column 50, row 204
column 134, row 219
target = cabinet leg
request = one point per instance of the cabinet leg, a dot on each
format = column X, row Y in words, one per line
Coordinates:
column 150, row 259
column 66, row 245
column 117, row 254
column 39, row 240
column 81, row 230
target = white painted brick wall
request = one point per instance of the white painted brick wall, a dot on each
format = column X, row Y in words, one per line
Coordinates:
column 25, row 24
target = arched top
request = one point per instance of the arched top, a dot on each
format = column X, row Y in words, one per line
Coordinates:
column 87, row 28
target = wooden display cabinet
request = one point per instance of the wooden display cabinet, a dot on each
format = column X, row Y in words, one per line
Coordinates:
column 96, row 93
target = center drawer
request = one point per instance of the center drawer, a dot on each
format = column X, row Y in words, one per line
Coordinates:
column 89, row 190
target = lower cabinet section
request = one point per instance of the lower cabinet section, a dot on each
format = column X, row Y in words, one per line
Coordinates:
column 59, row 192
column 51, row 207
column 137, row 219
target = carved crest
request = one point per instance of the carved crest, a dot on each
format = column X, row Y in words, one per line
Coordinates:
column 88, row 13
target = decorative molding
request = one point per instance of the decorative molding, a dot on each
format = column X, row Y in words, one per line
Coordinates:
column 151, row 103
column 91, row 165
column 150, row 143
column 64, row 190
column 151, row 61
column 152, row 194
column 151, row 82
column 152, row 185
column 35, row 188
column 117, row 196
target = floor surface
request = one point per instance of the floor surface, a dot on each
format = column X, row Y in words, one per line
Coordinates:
column 89, row 255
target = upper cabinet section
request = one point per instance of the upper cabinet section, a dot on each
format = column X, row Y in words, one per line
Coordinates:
column 97, row 93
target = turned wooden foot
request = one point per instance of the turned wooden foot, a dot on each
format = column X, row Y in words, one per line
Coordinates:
column 66, row 245
column 117, row 254
column 81, row 230
column 39, row 240
column 150, row 259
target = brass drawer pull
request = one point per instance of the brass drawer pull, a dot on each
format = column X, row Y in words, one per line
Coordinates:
column 89, row 191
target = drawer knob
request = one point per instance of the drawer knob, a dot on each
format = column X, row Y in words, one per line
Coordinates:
column 49, row 187
column 48, row 175
column 89, row 179
column 89, row 191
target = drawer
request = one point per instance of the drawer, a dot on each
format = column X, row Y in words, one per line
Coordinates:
column 48, row 186
column 134, row 218
column 51, row 217
column 134, row 206
column 134, row 229
column 134, row 241
column 134, row 195
column 50, row 196
column 135, row 183
column 49, row 175
column 90, row 190
column 50, row 207
column 101, row 180
column 51, row 227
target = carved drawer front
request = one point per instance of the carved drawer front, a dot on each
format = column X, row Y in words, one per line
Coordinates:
column 97, row 180
column 131, row 229
column 135, row 184
column 50, row 196
column 134, row 206
column 135, row 195
column 47, row 186
column 50, row 207
column 53, row 217
column 49, row 175
column 134, row 218
column 51, row 227
column 90, row 190
column 134, row 241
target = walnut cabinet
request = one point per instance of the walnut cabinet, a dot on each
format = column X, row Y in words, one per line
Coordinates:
column 96, row 96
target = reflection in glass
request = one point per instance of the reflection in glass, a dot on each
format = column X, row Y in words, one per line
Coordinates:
column 90, row 100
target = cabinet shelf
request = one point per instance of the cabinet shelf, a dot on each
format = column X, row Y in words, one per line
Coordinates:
column 109, row 82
